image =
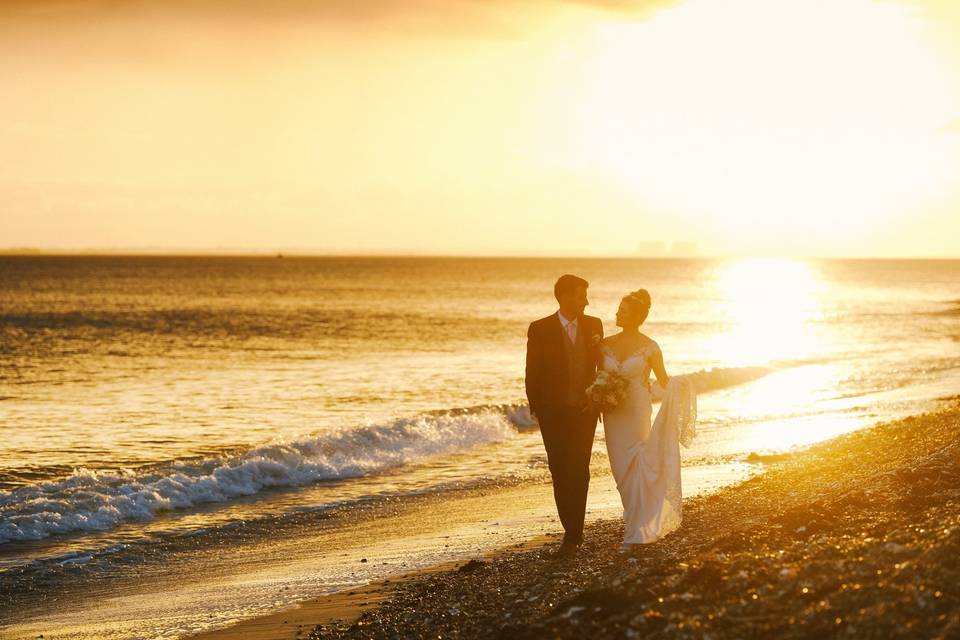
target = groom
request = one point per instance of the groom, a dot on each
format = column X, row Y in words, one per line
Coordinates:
column 563, row 351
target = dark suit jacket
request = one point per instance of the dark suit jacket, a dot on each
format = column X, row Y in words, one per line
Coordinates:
column 547, row 376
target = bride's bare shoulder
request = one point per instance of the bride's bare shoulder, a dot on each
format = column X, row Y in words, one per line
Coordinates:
column 647, row 341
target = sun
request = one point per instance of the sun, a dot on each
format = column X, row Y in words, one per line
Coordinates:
column 768, row 305
column 799, row 120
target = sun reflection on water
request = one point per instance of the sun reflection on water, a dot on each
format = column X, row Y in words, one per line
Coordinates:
column 768, row 304
column 771, row 308
column 766, row 397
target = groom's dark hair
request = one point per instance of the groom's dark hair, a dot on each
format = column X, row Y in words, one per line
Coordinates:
column 567, row 283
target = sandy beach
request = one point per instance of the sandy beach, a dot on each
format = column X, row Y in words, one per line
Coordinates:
column 855, row 537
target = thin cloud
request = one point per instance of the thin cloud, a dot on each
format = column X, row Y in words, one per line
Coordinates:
column 439, row 12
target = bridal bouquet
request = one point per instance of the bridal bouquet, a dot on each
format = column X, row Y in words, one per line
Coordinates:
column 608, row 390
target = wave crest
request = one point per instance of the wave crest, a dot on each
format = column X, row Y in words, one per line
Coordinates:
column 97, row 501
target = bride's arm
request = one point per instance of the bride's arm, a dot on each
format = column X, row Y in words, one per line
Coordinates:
column 656, row 363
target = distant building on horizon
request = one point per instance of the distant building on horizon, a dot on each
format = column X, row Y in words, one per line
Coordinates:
column 652, row 248
column 684, row 249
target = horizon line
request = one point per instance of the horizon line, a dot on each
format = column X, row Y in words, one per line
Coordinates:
column 312, row 253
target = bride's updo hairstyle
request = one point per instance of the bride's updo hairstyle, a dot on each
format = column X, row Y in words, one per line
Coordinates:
column 639, row 302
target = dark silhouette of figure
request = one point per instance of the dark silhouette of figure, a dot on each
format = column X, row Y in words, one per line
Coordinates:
column 563, row 351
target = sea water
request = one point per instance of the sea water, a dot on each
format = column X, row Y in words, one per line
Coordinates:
column 148, row 399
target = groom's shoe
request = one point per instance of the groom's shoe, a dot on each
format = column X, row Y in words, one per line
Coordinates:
column 567, row 550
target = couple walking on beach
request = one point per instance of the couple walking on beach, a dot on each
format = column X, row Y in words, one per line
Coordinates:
column 573, row 375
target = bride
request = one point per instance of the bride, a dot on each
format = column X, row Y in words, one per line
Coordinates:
column 645, row 456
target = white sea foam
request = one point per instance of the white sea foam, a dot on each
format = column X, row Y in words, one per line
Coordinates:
column 96, row 501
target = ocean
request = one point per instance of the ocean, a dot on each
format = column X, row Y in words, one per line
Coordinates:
column 145, row 401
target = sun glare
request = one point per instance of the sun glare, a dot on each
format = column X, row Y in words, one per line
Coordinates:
column 794, row 120
column 768, row 304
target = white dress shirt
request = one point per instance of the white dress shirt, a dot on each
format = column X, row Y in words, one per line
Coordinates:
column 566, row 322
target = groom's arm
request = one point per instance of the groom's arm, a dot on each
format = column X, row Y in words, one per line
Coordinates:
column 533, row 370
column 599, row 332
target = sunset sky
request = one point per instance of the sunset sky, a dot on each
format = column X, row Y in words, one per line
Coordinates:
column 789, row 127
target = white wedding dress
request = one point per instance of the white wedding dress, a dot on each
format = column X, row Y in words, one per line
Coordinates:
column 645, row 456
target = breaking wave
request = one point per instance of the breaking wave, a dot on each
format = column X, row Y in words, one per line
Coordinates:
column 90, row 500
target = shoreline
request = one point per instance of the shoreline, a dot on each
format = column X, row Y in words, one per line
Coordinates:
column 344, row 607
column 857, row 535
column 197, row 590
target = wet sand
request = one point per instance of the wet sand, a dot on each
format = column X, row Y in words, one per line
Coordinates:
column 855, row 537
column 338, row 608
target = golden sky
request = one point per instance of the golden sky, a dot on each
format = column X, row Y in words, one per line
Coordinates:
column 789, row 127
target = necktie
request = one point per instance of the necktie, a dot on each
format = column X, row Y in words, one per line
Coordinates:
column 572, row 332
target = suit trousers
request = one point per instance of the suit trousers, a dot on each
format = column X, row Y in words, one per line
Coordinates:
column 568, row 438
